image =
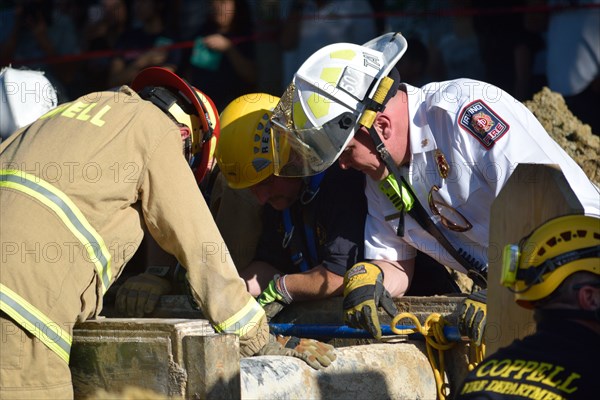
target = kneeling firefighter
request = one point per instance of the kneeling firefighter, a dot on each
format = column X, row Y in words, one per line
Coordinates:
column 554, row 271
column 77, row 188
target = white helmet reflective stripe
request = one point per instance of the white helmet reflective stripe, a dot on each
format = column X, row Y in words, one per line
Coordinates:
column 338, row 81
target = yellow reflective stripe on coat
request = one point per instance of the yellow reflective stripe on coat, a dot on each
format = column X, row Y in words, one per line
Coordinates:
column 68, row 212
column 248, row 317
column 34, row 321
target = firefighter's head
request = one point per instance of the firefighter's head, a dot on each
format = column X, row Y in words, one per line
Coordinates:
column 193, row 111
column 553, row 252
column 245, row 151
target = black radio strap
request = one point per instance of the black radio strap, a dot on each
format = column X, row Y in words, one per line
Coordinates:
column 474, row 269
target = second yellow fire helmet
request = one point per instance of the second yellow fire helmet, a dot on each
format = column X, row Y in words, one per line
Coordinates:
column 244, row 151
column 535, row 267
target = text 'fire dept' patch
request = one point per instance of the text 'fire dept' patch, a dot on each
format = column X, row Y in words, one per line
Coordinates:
column 482, row 123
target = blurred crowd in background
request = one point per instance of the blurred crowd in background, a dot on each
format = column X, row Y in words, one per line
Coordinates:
column 228, row 48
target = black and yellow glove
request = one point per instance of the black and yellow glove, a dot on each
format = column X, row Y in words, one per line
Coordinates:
column 316, row 354
column 473, row 316
column 363, row 293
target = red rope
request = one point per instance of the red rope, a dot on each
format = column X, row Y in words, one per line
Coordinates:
column 272, row 34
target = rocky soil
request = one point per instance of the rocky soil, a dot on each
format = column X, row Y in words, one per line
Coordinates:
column 568, row 131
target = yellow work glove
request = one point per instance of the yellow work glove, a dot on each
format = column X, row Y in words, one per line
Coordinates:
column 316, row 354
column 473, row 316
column 363, row 293
column 139, row 294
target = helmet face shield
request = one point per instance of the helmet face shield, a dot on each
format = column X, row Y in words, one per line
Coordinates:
column 293, row 156
column 306, row 151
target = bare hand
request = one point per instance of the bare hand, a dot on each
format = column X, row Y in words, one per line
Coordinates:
column 218, row 43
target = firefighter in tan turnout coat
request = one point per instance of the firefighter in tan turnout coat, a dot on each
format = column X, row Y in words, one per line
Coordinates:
column 77, row 188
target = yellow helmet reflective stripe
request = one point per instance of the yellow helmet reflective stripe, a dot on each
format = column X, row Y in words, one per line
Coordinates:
column 553, row 252
column 244, row 151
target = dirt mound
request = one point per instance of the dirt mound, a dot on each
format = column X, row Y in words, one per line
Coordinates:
column 568, row 131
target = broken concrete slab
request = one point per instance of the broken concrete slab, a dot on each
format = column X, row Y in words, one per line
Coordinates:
column 376, row 371
column 176, row 357
column 185, row 358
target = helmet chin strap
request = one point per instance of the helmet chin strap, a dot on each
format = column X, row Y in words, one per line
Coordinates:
column 403, row 202
column 396, row 188
column 186, row 140
column 311, row 188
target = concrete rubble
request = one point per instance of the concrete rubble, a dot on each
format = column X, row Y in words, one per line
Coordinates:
column 185, row 358
column 385, row 371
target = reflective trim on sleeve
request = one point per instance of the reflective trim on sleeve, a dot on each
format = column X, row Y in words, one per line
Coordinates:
column 34, row 321
column 68, row 212
column 249, row 316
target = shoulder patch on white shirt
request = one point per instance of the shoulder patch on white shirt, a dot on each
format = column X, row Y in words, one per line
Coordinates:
column 482, row 123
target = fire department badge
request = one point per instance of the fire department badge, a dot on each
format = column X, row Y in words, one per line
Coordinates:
column 442, row 165
column 482, row 123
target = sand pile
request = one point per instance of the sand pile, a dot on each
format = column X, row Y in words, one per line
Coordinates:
column 568, row 131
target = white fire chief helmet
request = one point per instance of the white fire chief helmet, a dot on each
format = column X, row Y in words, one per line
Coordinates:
column 337, row 89
column 25, row 95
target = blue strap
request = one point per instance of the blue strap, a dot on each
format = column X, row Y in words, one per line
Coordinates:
column 297, row 256
column 289, row 228
column 309, row 193
column 312, row 188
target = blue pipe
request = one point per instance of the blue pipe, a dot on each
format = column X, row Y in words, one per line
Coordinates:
column 317, row 331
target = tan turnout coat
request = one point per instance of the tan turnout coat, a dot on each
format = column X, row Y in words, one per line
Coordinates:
column 118, row 159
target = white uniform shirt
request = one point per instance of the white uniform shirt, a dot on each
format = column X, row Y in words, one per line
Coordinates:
column 484, row 133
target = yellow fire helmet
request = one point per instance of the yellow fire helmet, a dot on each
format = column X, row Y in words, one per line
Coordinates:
column 244, row 151
column 187, row 106
column 550, row 254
